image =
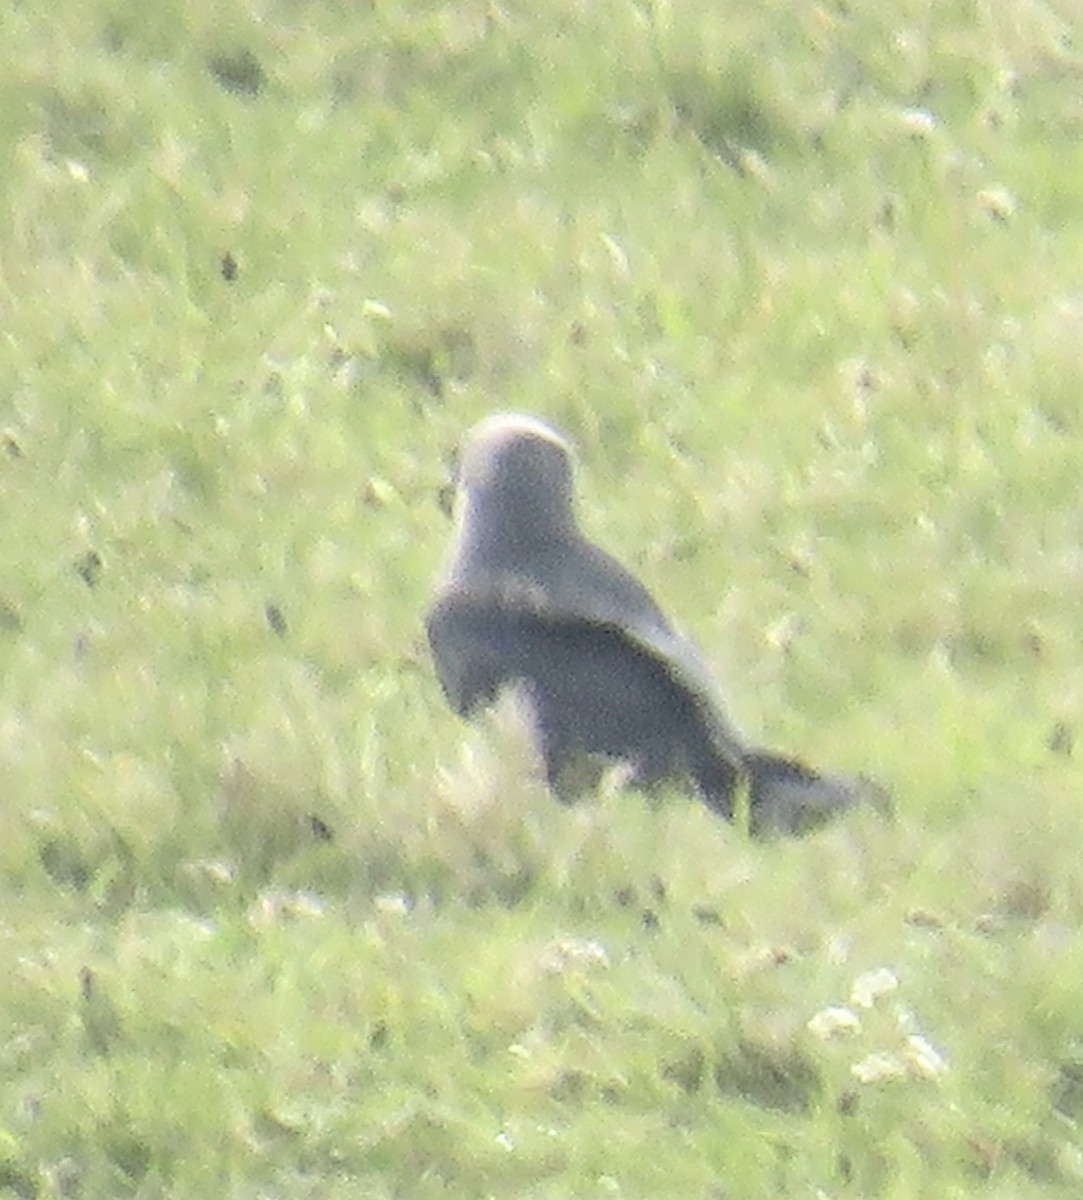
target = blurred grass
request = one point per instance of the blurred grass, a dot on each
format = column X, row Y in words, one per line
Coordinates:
column 802, row 284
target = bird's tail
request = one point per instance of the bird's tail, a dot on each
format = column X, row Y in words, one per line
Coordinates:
column 784, row 795
column 788, row 797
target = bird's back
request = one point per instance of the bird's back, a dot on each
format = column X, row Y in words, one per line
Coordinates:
column 573, row 579
column 593, row 690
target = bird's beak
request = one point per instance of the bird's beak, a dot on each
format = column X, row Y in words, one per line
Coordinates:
column 445, row 493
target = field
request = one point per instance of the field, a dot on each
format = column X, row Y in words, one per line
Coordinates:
column 802, row 281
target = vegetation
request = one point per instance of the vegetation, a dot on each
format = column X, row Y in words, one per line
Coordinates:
column 802, row 282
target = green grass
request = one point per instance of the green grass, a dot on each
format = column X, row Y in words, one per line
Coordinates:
column 802, row 283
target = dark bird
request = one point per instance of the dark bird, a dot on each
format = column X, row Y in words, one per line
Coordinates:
column 526, row 600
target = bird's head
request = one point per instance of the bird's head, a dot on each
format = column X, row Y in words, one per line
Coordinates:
column 514, row 483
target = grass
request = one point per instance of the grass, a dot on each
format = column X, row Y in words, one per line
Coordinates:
column 802, row 284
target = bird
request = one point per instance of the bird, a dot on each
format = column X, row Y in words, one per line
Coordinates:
column 526, row 601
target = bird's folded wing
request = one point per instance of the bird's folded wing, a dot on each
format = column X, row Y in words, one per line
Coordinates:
column 620, row 605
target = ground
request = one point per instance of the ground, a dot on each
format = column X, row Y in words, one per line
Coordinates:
column 801, row 282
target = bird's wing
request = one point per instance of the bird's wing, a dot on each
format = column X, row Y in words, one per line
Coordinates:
column 586, row 584
column 595, row 585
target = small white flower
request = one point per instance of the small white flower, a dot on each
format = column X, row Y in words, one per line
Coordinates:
column 870, row 986
column 905, row 1021
column 280, row 904
column 617, row 254
column 834, row 1021
column 877, row 1068
column 838, row 948
column 924, row 1058
column 998, row 202
column 565, row 953
column 918, row 121
column 216, row 870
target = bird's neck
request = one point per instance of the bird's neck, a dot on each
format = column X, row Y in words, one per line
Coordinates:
column 500, row 534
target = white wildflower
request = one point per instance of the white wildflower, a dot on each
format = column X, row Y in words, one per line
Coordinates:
column 870, row 986
column 281, row 904
column 998, row 202
column 216, row 870
column 838, row 948
column 565, row 953
column 834, row 1021
column 393, row 904
column 924, row 1058
column 905, row 1021
column 918, row 121
column 878, row 1068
